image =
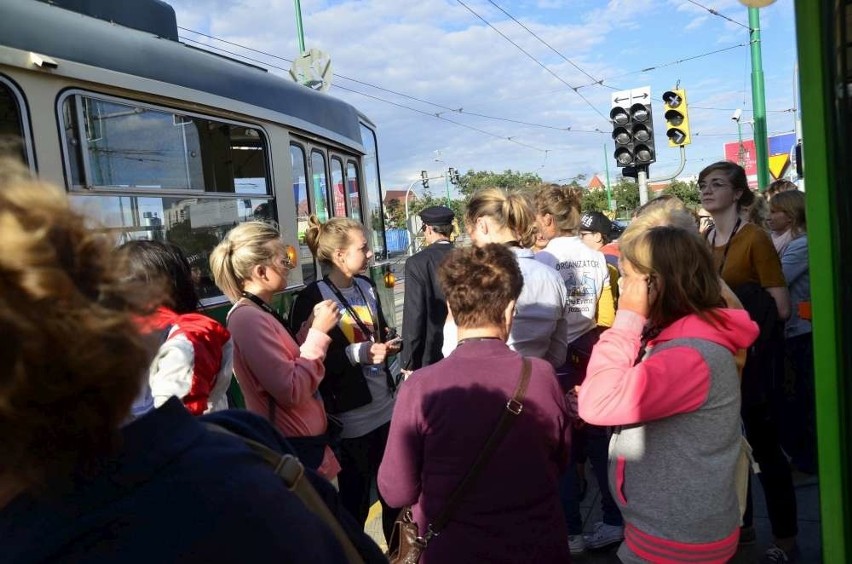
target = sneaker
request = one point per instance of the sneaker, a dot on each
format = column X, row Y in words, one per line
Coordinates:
column 576, row 544
column 748, row 536
column 604, row 535
column 777, row 555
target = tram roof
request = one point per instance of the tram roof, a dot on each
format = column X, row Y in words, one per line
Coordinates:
column 65, row 34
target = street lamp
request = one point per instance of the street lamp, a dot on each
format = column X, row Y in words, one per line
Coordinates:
column 737, row 117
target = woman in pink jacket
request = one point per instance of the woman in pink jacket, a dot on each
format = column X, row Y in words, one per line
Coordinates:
column 278, row 377
column 665, row 377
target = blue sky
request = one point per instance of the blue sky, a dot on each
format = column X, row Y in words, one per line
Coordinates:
column 442, row 53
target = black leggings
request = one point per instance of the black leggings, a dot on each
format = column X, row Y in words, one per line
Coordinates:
column 359, row 460
column 775, row 476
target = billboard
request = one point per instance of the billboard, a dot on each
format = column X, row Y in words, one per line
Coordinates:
column 745, row 154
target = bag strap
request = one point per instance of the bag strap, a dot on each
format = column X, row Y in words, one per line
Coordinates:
column 513, row 408
column 291, row 471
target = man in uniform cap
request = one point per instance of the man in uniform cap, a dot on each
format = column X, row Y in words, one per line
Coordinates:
column 425, row 308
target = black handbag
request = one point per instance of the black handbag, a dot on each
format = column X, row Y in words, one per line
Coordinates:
column 406, row 544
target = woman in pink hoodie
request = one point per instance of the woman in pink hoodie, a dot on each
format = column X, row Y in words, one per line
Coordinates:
column 665, row 377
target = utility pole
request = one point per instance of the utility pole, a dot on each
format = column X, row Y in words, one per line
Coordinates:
column 758, row 100
column 608, row 189
column 299, row 31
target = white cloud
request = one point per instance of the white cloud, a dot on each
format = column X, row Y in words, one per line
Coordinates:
column 438, row 51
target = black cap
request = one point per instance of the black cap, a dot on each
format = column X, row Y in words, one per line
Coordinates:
column 597, row 222
column 437, row 215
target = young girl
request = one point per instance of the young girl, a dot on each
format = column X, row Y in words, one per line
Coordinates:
column 358, row 387
column 278, row 377
column 195, row 358
column 674, row 452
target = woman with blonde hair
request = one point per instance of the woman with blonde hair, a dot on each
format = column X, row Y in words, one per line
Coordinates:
column 540, row 325
column 358, row 388
column 278, row 377
column 585, row 274
column 77, row 484
column 788, row 212
column 676, row 409
column 447, row 412
column 583, row 270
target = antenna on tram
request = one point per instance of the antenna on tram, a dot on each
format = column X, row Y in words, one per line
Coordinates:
column 312, row 69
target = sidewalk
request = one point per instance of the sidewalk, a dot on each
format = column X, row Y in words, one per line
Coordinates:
column 807, row 495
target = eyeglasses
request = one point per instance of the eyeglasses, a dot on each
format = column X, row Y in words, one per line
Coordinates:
column 716, row 185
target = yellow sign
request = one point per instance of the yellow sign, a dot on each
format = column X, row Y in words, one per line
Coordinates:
column 778, row 164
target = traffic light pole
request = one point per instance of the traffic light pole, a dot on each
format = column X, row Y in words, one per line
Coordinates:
column 608, row 188
column 758, row 100
column 642, row 179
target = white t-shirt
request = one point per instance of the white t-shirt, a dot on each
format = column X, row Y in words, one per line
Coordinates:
column 585, row 274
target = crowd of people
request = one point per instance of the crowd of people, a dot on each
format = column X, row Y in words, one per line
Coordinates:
column 663, row 358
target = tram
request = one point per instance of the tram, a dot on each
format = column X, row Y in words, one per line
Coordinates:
column 824, row 34
column 156, row 139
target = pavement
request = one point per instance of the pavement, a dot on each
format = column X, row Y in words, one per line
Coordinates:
column 807, row 496
column 809, row 540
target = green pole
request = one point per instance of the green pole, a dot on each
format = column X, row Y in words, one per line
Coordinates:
column 758, row 101
column 608, row 190
column 300, row 32
column 822, row 134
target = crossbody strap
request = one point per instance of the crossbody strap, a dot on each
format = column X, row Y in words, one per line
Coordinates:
column 292, row 472
column 513, row 408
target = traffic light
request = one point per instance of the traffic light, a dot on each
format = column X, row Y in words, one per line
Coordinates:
column 677, row 118
column 633, row 132
column 424, row 179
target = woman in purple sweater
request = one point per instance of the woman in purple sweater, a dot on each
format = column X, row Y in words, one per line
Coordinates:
column 445, row 412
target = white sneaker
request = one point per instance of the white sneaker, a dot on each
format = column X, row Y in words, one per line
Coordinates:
column 576, row 544
column 603, row 535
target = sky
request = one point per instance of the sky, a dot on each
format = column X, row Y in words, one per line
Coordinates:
column 520, row 84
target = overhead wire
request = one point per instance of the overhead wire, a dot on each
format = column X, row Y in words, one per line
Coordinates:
column 549, row 46
column 539, row 63
column 720, row 15
column 458, row 110
column 403, row 106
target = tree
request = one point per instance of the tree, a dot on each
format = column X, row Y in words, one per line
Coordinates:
column 509, row 180
column 395, row 213
column 686, row 191
column 595, row 200
column 626, row 196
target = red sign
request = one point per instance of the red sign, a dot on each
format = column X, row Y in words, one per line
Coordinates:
column 743, row 154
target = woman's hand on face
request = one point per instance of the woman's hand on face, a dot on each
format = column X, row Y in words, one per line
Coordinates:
column 634, row 292
column 325, row 316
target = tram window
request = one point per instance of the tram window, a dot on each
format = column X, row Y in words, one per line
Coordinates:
column 353, row 191
column 375, row 218
column 303, row 211
column 113, row 144
column 337, row 194
column 13, row 136
column 319, row 185
column 195, row 224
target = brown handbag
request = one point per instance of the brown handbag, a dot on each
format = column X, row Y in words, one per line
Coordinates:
column 406, row 545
